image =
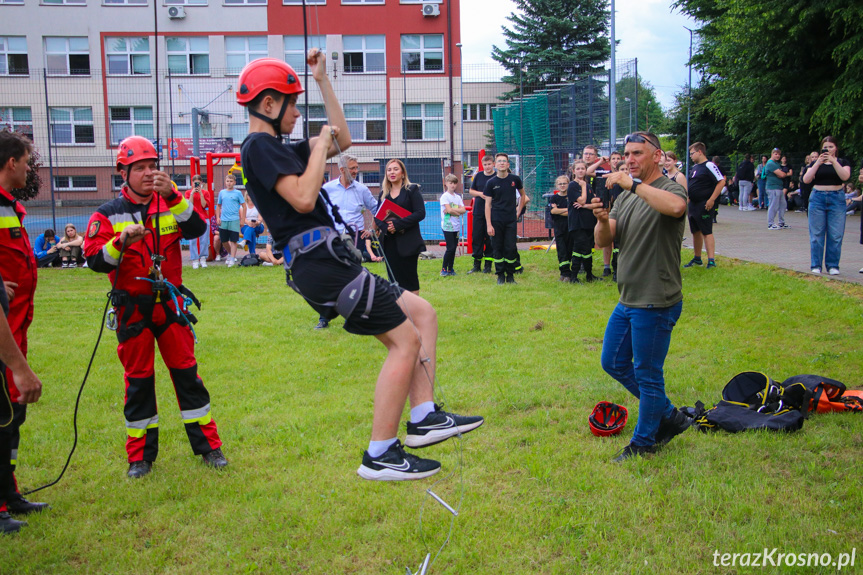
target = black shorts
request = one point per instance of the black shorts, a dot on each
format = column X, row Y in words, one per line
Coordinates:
column 228, row 236
column 700, row 219
column 321, row 280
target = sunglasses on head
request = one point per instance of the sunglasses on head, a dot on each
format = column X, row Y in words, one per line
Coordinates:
column 639, row 139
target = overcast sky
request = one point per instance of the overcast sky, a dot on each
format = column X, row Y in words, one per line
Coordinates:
column 646, row 29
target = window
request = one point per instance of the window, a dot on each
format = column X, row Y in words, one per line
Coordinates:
column 72, row 125
column 117, row 182
column 295, row 53
column 75, row 183
column 477, row 112
column 323, row 2
column 316, row 118
column 13, row 55
column 131, row 121
column 367, row 122
column 362, row 1
column 370, row 179
column 246, row 2
column 11, row 1
column 422, row 52
column 423, row 122
column 182, row 180
column 180, row 131
column 364, row 54
column 189, row 55
column 61, row 2
column 127, row 56
column 67, row 56
column 185, row 2
column 123, row 2
column 240, row 50
column 18, row 120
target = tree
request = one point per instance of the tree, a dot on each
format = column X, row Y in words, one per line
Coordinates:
column 552, row 41
column 650, row 115
column 783, row 72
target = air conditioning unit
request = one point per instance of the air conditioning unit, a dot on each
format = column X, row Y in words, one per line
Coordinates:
column 176, row 12
column 431, row 9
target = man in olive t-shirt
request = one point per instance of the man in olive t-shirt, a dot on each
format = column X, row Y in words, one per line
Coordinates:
column 647, row 220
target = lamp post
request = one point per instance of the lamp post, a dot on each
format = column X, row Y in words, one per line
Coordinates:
column 689, row 103
column 612, row 87
column 461, row 99
column 630, row 113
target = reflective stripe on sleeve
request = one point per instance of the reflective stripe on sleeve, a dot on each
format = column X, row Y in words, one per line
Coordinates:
column 182, row 210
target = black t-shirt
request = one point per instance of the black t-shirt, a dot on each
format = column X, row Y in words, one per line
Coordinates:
column 478, row 184
column 826, row 175
column 559, row 221
column 580, row 218
column 502, row 192
column 745, row 171
column 265, row 159
column 702, row 181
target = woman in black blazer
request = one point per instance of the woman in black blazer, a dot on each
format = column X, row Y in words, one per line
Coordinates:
column 400, row 237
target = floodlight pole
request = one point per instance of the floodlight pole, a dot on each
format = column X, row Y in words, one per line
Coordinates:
column 612, row 90
column 689, row 103
column 461, row 100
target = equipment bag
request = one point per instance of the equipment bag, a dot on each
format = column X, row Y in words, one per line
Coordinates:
column 250, row 260
column 827, row 395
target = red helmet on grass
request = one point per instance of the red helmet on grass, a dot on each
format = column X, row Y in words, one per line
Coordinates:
column 134, row 149
column 607, row 419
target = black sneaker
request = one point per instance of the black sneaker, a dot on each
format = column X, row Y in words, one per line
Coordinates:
column 9, row 525
column 500, row 279
column 17, row 505
column 670, row 426
column 693, row 262
column 439, row 426
column 631, row 451
column 215, row 459
column 510, row 279
column 323, row 324
column 606, row 272
column 138, row 469
column 396, row 465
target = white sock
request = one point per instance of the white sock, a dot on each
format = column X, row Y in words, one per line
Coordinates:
column 378, row 448
column 420, row 412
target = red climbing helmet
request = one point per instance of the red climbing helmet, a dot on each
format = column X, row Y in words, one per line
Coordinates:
column 267, row 73
column 134, row 149
column 607, row 419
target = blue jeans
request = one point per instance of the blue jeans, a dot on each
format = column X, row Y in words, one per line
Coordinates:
column 762, row 193
column 633, row 352
column 250, row 234
column 200, row 247
column 826, row 226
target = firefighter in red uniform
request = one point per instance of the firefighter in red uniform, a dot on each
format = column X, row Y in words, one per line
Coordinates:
column 149, row 219
column 18, row 269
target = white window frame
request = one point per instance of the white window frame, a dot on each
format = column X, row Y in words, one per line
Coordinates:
column 422, row 51
column 296, row 57
column 185, row 2
column 7, row 120
column 124, row 2
column 183, row 181
column 472, row 112
column 364, row 119
column 356, row 2
column 6, row 51
column 188, row 53
column 300, row 2
column 247, row 53
column 246, row 2
column 73, row 123
column 365, row 51
column 12, row 2
column 425, row 119
column 363, row 175
column 68, row 53
column 69, row 185
column 132, row 122
column 63, row 2
column 129, row 53
column 117, row 178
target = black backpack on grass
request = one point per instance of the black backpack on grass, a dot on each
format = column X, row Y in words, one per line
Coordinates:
column 751, row 400
column 250, row 260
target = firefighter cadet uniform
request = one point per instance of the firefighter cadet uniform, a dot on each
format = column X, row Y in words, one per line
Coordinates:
column 18, row 265
column 145, row 317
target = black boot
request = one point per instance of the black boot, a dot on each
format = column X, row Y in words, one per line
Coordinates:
column 671, row 426
column 589, row 277
column 487, row 267
column 500, row 279
column 9, row 525
column 17, row 505
column 475, row 268
column 139, row 469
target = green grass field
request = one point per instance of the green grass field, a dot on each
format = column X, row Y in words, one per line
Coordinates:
column 293, row 407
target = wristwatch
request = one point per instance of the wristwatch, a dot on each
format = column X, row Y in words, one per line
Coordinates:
column 635, row 182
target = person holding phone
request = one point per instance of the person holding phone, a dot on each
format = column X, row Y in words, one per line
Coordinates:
column 199, row 248
column 827, row 174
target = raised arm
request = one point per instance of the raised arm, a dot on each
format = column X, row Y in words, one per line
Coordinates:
column 335, row 115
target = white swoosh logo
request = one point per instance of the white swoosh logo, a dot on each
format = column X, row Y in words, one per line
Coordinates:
column 448, row 423
column 403, row 466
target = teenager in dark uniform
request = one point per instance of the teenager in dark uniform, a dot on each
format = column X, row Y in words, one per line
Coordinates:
column 481, row 244
column 581, row 224
column 558, row 206
column 284, row 181
column 501, row 212
column 600, row 168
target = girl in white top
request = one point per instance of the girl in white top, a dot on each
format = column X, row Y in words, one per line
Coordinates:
column 451, row 210
column 253, row 225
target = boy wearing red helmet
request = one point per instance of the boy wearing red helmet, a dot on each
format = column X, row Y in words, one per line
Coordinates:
column 135, row 239
column 284, row 181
